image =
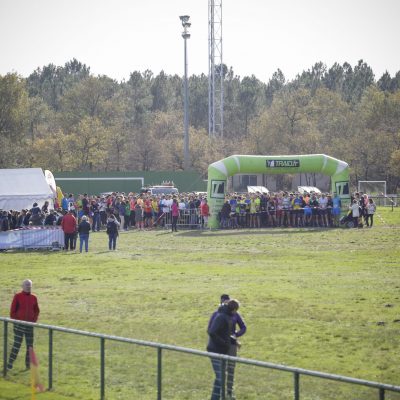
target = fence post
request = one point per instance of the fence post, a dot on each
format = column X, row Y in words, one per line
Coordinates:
column 5, row 334
column 223, row 379
column 381, row 394
column 102, row 368
column 296, row 376
column 159, row 373
column 50, row 359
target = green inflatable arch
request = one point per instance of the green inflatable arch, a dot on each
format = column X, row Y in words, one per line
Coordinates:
column 220, row 171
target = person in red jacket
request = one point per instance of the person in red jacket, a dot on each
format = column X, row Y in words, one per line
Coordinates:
column 24, row 307
column 68, row 225
column 205, row 213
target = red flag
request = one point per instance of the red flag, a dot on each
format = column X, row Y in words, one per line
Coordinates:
column 35, row 380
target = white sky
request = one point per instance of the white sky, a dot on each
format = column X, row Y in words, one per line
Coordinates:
column 116, row 37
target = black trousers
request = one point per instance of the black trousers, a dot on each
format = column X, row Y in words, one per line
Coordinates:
column 174, row 223
column 69, row 241
column 19, row 332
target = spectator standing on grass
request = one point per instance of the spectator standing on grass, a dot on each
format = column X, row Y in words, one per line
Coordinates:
column 139, row 215
column 174, row 214
column 24, row 307
column 371, row 208
column 219, row 332
column 355, row 212
column 336, row 208
column 84, row 231
column 224, row 215
column 95, row 213
column 112, row 232
column 127, row 215
column 205, row 213
column 103, row 211
column 237, row 322
column 68, row 225
column 323, row 210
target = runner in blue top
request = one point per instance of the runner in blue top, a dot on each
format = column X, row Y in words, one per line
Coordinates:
column 337, row 205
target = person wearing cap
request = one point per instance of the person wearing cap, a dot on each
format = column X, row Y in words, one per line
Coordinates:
column 24, row 307
column 219, row 332
column 236, row 321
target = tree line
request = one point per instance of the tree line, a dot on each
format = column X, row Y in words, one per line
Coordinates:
column 64, row 118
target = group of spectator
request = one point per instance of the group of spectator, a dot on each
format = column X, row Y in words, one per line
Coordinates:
column 362, row 210
column 36, row 216
column 144, row 211
column 281, row 209
column 140, row 211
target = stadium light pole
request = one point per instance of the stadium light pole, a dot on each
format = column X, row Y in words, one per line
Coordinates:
column 186, row 35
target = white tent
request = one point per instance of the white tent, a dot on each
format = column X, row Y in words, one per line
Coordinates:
column 20, row 188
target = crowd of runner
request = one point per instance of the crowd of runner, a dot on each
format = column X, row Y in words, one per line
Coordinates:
column 145, row 211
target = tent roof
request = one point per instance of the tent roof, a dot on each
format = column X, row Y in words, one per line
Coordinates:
column 20, row 188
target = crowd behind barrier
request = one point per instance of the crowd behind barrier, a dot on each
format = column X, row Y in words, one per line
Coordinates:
column 190, row 210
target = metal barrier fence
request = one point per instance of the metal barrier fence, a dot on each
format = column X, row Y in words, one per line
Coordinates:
column 381, row 388
column 35, row 237
column 188, row 219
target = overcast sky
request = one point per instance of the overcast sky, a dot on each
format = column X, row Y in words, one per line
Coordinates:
column 117, row 37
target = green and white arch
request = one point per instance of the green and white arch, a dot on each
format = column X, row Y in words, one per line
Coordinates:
column 220, row 171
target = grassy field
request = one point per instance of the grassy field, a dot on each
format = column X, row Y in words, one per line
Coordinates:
column 326, row 300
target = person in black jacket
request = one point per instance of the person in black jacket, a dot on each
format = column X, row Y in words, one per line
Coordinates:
column 112, row 231
column 84, row 230
column 219, row 342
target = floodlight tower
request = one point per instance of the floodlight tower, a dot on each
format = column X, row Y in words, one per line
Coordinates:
column 215, row 70
column 186, row 35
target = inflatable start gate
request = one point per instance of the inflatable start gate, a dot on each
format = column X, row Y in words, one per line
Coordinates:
column 220, row 171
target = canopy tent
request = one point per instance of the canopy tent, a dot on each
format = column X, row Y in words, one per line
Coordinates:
column 20, row 188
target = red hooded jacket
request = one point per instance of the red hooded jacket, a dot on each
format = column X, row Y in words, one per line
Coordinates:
column 25, row 307
column 68, row 223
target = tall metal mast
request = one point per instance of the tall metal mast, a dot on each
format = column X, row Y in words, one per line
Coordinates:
column 215, row 70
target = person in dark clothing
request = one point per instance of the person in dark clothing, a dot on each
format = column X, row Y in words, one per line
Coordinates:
column 24, row 307
column 85, row 205
column 95, row 211
column 27, row 217
column 225, row 212
column 45, row 207
column 84, row 230
column 50, row 219
column 68, row 225
column 5, row 224
column 234, row 343
column 219, row 333
column 112, row 232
